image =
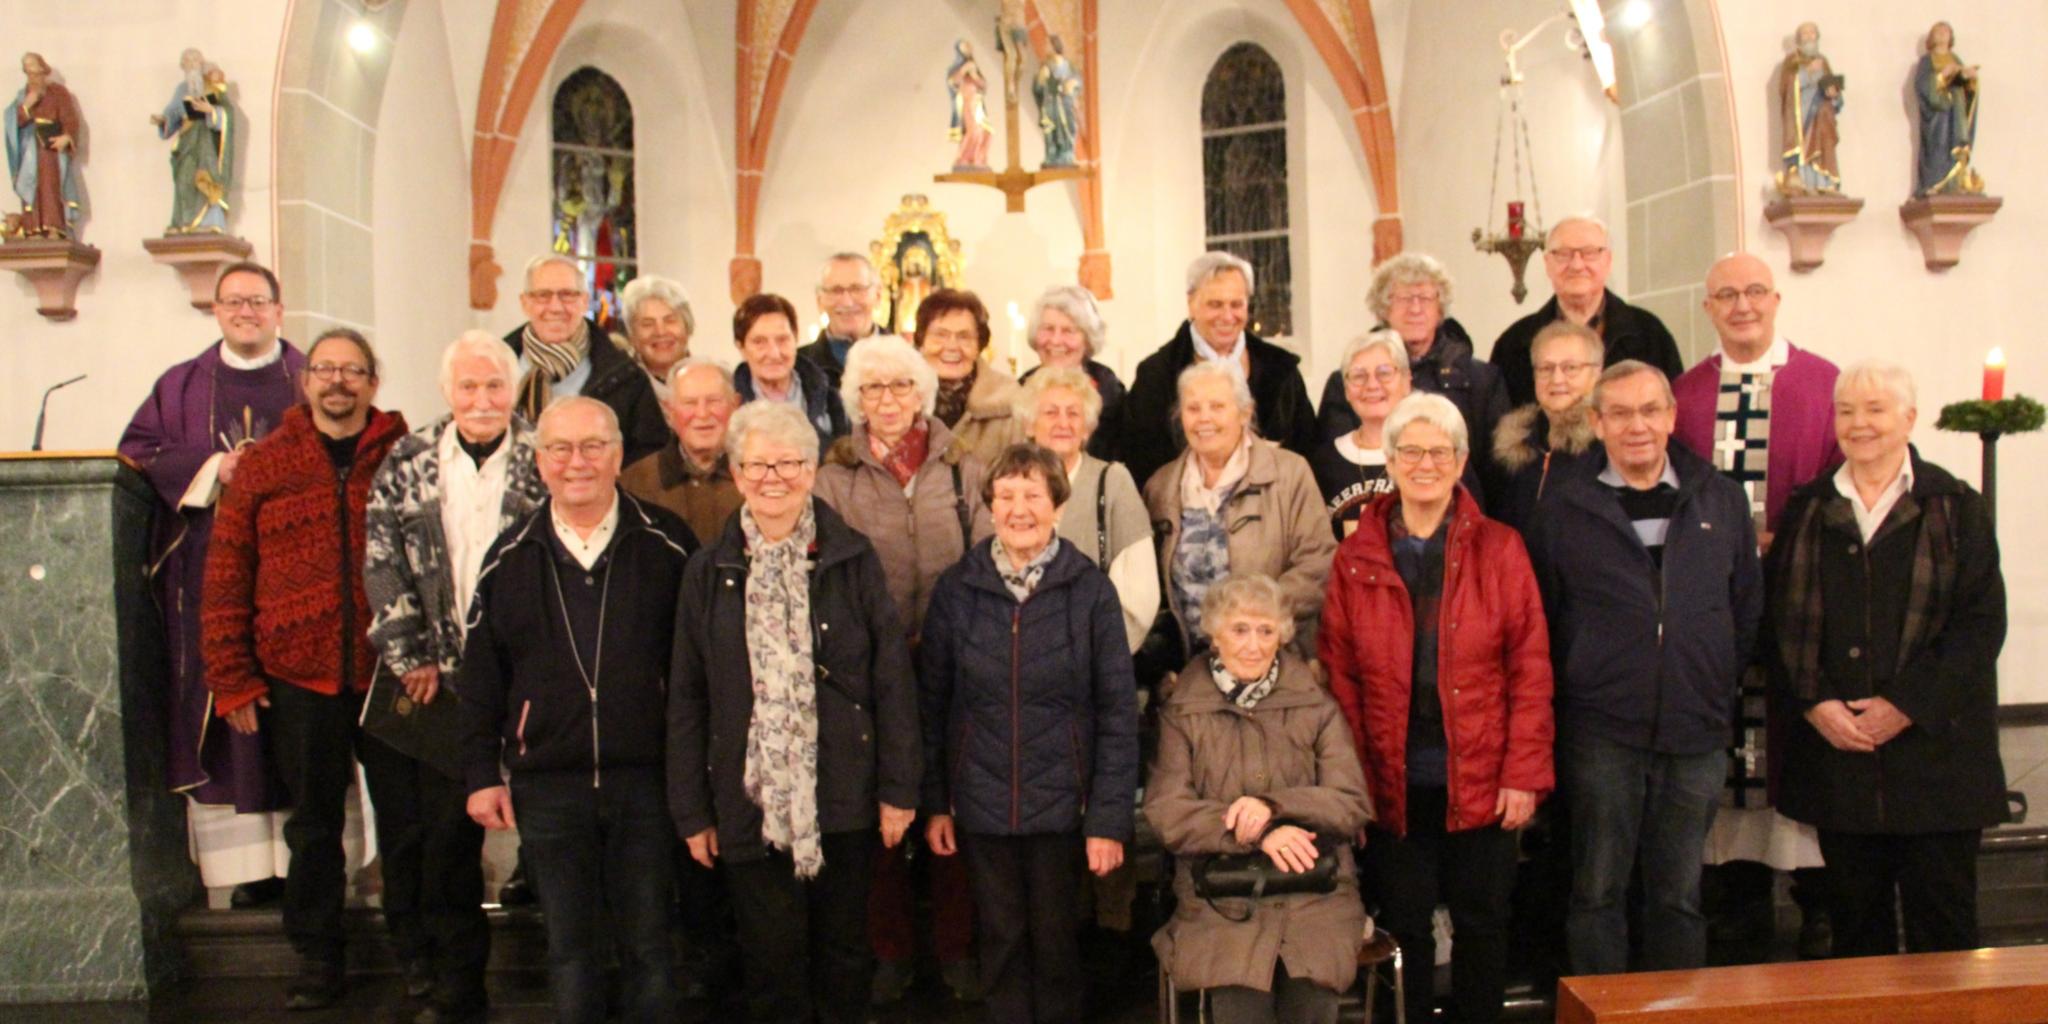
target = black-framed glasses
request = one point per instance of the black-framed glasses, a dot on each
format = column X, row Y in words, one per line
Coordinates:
column 252, row 303
column 787, row 469
column 329, row 371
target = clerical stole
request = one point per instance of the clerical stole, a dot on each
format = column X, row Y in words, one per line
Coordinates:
column 1742, row 452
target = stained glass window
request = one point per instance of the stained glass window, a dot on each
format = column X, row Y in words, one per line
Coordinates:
column 1244, row 177
column 593, row 193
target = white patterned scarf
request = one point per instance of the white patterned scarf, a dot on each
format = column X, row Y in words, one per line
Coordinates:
column 782, row 738
column 1021, row 582
column 1245, row 694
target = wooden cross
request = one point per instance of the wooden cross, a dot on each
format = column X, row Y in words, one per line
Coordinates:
column 1013, row 180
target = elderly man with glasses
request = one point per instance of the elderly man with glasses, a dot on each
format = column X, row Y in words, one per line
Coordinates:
column 1578, row 259
column 847, row 290
column 562, row 352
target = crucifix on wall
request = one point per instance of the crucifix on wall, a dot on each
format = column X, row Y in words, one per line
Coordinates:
column 1057, row 101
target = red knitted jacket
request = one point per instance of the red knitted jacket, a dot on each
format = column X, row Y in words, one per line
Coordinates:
column 280, row 560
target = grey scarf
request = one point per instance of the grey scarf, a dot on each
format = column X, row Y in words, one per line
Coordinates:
column 781, row 774
column 1246, row 695
column 547, row 364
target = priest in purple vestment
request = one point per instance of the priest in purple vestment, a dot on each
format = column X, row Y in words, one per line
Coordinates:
column 187, row 437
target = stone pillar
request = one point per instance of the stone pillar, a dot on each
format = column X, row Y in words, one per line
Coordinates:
column 93, row 862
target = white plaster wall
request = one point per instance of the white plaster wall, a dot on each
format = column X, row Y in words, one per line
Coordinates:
column 1874, row 298
column 1445, row 129
column 120, row 59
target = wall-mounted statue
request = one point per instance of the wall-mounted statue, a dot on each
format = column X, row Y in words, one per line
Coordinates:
column 1809, row 97
column 42, row 141
column 1946, row 91
column 1058, row 92
column 208, row 130
column 968, row 88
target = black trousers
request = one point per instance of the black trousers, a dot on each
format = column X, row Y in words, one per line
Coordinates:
column 1473, row 871
column 1027, row 901
column 1292, row 1001
column 433, row 870
column 312, row 742
column 1934, row 877
column 806, row 941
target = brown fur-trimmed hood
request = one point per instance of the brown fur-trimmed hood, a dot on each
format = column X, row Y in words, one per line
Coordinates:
column 1515, row 440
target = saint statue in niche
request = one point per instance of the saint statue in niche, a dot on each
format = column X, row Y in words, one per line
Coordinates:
column 1946, row 92
column 1058, row 92
column 1809, row 97
column 913, row 286
column 42, row 141
column 968, row 87
column 209, row 132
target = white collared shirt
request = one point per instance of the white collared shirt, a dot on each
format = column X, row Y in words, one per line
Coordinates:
column 472, row 499
column 1238, row 359
column 587, row 550
column 1870, row 517
column 1774, row 357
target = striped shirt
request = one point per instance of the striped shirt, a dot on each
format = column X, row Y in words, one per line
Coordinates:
column 1649, row 511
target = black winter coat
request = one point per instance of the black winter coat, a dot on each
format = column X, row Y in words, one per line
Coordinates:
column 1451, row 370
column 1628, row 332
column 1149, row 438
column 618, row 380
column 1943, row 773
column 523, row 696
column 1646, row 659
column 866, row 700
column 1030, row 710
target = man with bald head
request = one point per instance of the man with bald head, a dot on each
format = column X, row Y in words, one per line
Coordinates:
column 1578, row 259
column 564, row 675
column 1762, row 411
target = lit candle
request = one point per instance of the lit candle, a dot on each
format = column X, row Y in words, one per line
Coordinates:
column 1994, row 375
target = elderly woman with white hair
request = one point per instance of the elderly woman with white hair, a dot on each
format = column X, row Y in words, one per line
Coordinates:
column 1067, row 332
column 913, row 488
column 659, row 324
column 1439, row 655
column 442, row 496
column 1256, row 766
column 1887, row 613
column 1411, row 294
column 793, row 734
column 1220, row 290
column 1234, row 502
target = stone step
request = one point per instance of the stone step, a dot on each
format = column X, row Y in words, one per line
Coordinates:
column 252, row 943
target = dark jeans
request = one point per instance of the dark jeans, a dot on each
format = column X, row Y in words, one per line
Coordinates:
column 313, row 740
column 1027, row 898
column 1474, row 872
column 892, row 902
column 596, row 853
column 1637, row 810
column 433, row 870
column 805, row 942
column 1935, row 880
column 705, row 913
column 1292, row 1001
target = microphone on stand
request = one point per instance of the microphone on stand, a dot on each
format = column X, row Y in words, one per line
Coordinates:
column 42, row 412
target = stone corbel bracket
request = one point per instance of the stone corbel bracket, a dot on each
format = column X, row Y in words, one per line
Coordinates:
column 198, row 258
column 1941, row 222
column 54, row 266
column 1808, row 221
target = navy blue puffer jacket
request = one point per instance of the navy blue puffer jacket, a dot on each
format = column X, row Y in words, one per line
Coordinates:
column 1030, row 710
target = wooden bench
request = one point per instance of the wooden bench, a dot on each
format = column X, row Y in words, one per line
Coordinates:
column 1984, row 986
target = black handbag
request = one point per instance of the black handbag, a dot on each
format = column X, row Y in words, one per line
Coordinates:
column 1254, row 876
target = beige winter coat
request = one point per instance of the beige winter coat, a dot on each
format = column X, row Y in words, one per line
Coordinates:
column 989, row 425
column 1277, row 526
column 917, row 534
column 1294, row 750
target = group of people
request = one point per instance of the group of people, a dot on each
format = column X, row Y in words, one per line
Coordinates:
column 754, row 642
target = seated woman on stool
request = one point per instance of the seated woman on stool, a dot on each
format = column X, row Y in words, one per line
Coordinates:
column 1253, row 755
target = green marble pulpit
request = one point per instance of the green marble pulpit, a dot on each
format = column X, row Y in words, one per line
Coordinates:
column 93, row 861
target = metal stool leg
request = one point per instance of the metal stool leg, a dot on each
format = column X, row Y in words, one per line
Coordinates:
column 1400, row 990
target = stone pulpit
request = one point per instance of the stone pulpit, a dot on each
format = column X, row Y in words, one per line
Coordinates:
column 93, row 862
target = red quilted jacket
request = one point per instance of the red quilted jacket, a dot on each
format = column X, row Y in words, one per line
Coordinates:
column 1493, row 669
column 287, row 545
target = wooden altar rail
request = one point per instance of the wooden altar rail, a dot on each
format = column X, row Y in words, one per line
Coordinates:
column 1985, row 986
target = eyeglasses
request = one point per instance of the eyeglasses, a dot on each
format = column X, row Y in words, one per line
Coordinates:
column 1384, row 374
column 1562, row 369
column 252, row 303
column 561, row 451
column 1412, row 299
column 949, row 337
column 898, row 389
column 1587, row 253
column 329, row 371
column 787, row 469
column 1754, row 293
column 1622, row 415
column 1411, row 455
column 843, row 291
column 563, row 296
